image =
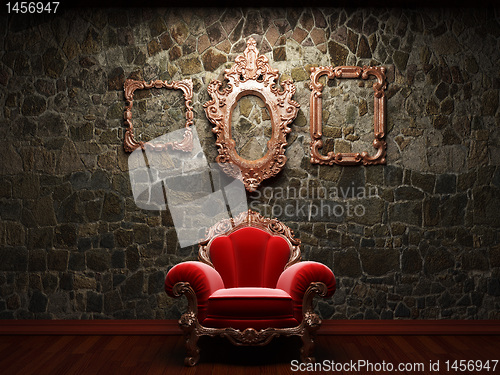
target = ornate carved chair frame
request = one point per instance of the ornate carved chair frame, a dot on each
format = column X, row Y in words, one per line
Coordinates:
column 379, row 115
column 307, row 328
column 130, row 86
column 252, row 75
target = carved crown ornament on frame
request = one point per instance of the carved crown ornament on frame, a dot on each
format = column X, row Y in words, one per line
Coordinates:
column 251, row 75
column 379, row 115
column 130, row 86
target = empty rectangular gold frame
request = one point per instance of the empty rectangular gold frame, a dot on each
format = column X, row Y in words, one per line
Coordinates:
column 316, row 109
column 129, row 143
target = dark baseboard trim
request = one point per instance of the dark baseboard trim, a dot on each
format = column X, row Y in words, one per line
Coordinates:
column 410, row 327
column 90, row 327
column 171, row 327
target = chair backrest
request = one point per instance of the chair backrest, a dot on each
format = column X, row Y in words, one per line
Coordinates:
column 249, row 257
column 253, row 252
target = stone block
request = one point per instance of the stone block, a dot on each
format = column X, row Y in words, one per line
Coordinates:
column 69, row 159
column 14, row 259
column 65, row 235
column 212, row 59
column 489, row 103
column 351, row 182
column 452, row 209
column 37, row 261
column 40, row 238
column 431, row 211
column 27, row 186
column 368, row 211
column 338, row 53
column 486, row 206
column 494, row 253
column 54, row 62
column 49, row 282
column 98, row 259
column 11, row 161
column 253, row 24
column 411, row 261
column 118, row 259
column 466, row 180
column 94, row 302
column 76, row 261
column 153, row 249
column 107, row 240
column 403, row 193
column 44, row 212
column 446, row 184
column 474, row 259
column 123, row 237
column 132, row 256
column 59, row 303
column 141, row 233
column 393, row 176
column 347, row 263
column 190, row 65
column 279, row 54
column 424, row 181
column 133, row 286
column 38, row 302
column 437, row 260
column 112, row 302
column 401, row 60
column 157, row 26
column 494, row 286
column 378, row 262
column 66, row 281
column 13, row 233
column 367, row 242
column 409, row 212
column 112, row 208
column 156, row 282
column 70, row 210
column 57, row 260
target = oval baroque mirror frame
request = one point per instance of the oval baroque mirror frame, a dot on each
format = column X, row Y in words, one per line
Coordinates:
column 251, row 75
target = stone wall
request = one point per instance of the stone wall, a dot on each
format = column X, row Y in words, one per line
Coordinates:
column 422, row 237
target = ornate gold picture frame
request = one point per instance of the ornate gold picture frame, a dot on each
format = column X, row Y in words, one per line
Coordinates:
column 316, row 109
column 251, row 75
column 130, row 86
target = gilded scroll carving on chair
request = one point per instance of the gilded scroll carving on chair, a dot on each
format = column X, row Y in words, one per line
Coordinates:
column 130, row 86
column 252, row 75
column 379, row 143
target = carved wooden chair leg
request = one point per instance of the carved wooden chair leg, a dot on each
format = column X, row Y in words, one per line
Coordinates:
column 310, row 321
column 307, row 350
column 189, row 323
column 192, row 349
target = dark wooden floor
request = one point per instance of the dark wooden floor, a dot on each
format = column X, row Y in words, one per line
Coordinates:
column 164, row 354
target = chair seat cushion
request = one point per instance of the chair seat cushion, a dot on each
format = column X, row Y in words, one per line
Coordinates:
column 250, row 307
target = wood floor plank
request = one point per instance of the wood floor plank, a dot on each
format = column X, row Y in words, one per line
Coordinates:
column 170, row 355
column 115, row 342
column 23, row 352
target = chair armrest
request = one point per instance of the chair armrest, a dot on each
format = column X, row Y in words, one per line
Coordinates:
column 296, row 279
column 203, row 279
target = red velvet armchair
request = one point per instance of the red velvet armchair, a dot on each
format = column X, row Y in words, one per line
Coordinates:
column 250, row 286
